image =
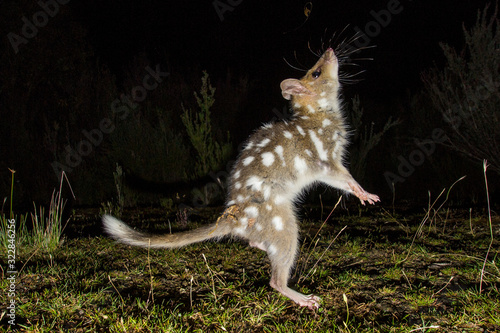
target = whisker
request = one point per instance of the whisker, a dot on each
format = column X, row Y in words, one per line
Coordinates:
column 310, row 49
column 294, row 67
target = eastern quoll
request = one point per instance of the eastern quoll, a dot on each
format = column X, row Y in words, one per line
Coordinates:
column 279, row 161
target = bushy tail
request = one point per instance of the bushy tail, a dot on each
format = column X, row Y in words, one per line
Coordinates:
column 124, row 234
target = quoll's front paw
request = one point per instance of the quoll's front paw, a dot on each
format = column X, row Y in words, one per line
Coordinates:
column 371, row 198
column 363, row 195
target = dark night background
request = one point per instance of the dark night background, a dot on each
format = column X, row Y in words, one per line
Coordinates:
column 63, row 80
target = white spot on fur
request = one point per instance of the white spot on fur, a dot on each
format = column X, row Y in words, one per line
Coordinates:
column 243, row 221
column 335, row 136
column 308, row 152
column 323, row 103
column 255, row 183
column 269, row 207
column 279, row 151
column 277, row 223
column 271, row 249
column 248, row 160
column 240, row 231
column 287, row 135
column 249, row 145
column 240, row 198
column 279, row 199
column 268, row 125
column 301, row 131
column 310, row 108
column 300, row 164
column 237, row 185
column 230, row 203
column 304, row 117
column 251, row 211
column 320, row 131
column 263, row 143
column 323, row 154
column 322, row 94
column 296, row 105
column 258, row 226
column 267, row 159
column 267, row 192
column 236, row 175
column 326, row 122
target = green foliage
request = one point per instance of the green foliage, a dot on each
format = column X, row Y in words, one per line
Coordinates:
column 47, row 227
column 115, row 208
column 211, row 154
column 118, row 175
column 467, row 91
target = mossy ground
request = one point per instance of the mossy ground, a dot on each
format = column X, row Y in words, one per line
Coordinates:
column 394, row 278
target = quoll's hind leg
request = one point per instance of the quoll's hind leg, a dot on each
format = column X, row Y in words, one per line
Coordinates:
column 282, row 256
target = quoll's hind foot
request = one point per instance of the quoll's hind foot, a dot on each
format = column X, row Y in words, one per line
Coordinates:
column 363, row 195
column 311, row 301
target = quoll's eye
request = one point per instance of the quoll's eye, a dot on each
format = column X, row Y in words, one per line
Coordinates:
column 316, row 73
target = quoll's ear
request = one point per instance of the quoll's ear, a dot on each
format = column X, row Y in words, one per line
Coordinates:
column 291, row 87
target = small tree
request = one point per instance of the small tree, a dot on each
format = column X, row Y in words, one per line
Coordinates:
column 211, row 154
column 467, row 91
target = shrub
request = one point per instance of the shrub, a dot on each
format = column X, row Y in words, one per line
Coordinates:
column 211, row 154
column 466, row 92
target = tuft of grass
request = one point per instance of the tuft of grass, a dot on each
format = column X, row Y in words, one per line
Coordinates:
column 431, row 214
column 419, row 299
column 490, row 227
column 47, row 229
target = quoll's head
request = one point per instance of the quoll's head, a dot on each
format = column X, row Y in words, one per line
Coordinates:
column 318, row 90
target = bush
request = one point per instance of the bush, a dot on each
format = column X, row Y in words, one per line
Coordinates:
column 466, row 92
column 211, row 154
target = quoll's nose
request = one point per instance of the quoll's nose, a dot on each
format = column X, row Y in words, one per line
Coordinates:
column 329, row 54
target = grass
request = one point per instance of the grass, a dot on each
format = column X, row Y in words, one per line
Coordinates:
column 45, row 232
column 372, row 273
column 95, row 285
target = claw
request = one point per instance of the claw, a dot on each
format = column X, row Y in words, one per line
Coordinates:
column 363, row 195
column 311, row 301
